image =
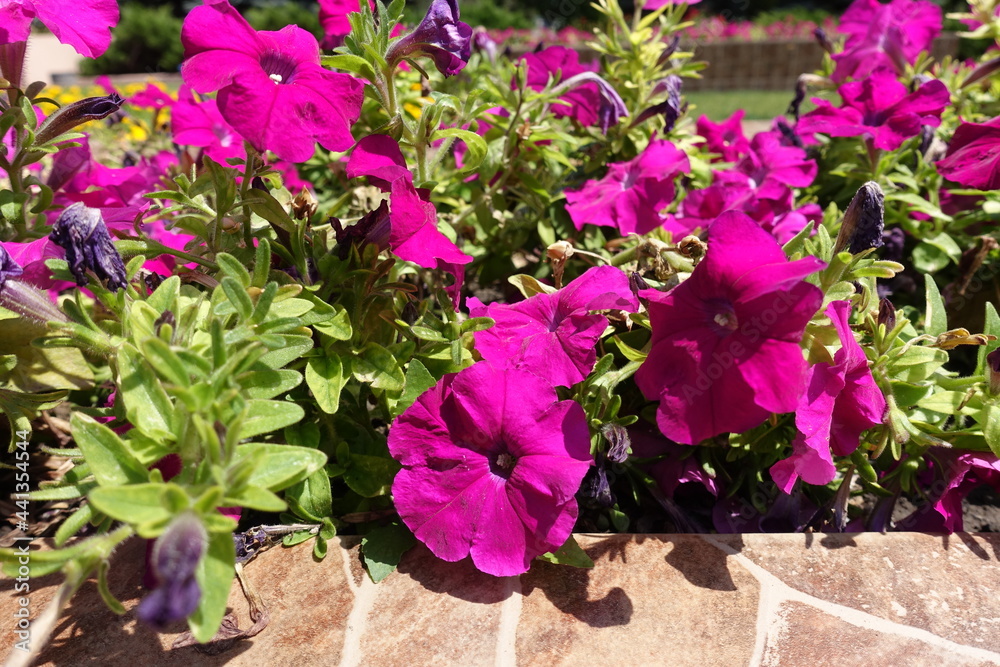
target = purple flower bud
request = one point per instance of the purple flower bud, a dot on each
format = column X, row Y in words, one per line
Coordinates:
column 482, row 41
column 671, row 108
column 77, row 113
column 619, row 442
column 612, row 106
column 993, row 371
column 864, row 220
column 595, row 490
column 893, row 241
column 669, row 51
column 981, row 72
column 440, row 36
column 823, row 40
column 175, row 559
column 789, row 136
column 12, row 62
column 81, row 231
column 887, row 314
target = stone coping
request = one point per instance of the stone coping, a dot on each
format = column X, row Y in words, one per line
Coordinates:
column 776, row 599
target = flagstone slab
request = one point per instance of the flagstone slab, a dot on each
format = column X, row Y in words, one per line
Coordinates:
column 902, row 598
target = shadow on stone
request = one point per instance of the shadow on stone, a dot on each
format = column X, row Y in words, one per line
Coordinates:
column 835, row 540
column 702, row 564
column 461, row 580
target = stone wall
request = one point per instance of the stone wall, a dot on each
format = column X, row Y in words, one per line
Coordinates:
column 772, row 65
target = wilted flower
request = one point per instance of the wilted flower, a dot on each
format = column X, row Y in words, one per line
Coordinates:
column 993, row 371
column 886, row 314
column 632, row 194
column 85, row 25
column 440, row 35
column 374, row 227
column 81, row 231
column 823, row 40
column 864, row 220
column 66, row 118
column 671, row 108
column 725, row 348
column 561, row 63
column 272, row 89
column 880, row 108
column 973, row 157
column 610, row 105
column 840, row 402
column 554, row 335
column 491, row 465
column 175, row 558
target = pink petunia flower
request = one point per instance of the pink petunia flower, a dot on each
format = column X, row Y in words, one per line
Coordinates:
column 725, row 138
column 730, row 191
column 840, row 403
column 773, row 168
column 973, row 157
column 725, row 349
column 554, row 335
column 632, row 194
column 885, row 35
column 414, row 236
column 561, row 63
column 272, row 89
column 85, row 24
column 200, row 124
column 333, row 20
column 953, row 475
column 879, row 107
column 491, row 462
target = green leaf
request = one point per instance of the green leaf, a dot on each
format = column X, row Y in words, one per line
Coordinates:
column 350, row 63
column 992, row 328
column 935, row 320
column 238, row 297
column 919, row 363
column 295, row 346
column 339, row 327
column 376, row 365
column 268, row 384
column 215, row 578
column 136, row 504
column 382, row 549
column 311, row 498
column 989, row 419
column 475, row 143
column 529, row 286
column 110, row 460
column 265, row 416
column 233, row 268
column 570, row 554
column 370, row 476
column 102, row 587
column 418, row 380
column 147, row 405
column 254, row 497
column 72, row 525
column 166, row 295
column 325, row 377
column 281, row 466
column 166, row 362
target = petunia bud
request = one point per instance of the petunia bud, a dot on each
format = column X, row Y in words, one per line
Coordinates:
column 595, row 490
column 611, row 106
column 671, row 108
column 823, row 40
column 12, row 63
column 440, row 35
column 21, row 298
column 981, row 72
column 304, row 205
column 669, row 51
column 887, row 314
column 993, row 371
column 77, row 113
column 175, row 559
column 789, row 135
column 864, row 221
column 81, row 231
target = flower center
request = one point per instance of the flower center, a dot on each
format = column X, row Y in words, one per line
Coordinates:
column 503, row 464
column 278, row 67
column 505, row 461
column 723, row 317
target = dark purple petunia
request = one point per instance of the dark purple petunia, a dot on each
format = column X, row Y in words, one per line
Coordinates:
column 440, row 35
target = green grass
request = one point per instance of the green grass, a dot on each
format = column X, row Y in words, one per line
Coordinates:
column 759, row 104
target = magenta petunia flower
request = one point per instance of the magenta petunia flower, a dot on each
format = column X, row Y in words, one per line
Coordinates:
column 885, row 35
column 879, row 107
column 414, row 236
column 333, row 20
column 953, row 475
column 773, row 167
column 85, row 24
column 729, row 192
column 652, row 5
column 554, row 335
column 200, row 124
column 725, row 350
column 973, row 157
column 272, row 90
column 491, row 462
column 725, row 138
column 840, row 403
column 632, row 194
column 561, row 63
